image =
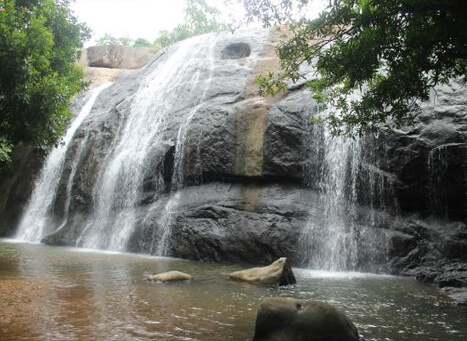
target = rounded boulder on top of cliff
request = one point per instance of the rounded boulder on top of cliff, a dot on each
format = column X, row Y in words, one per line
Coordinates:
column 119, row 57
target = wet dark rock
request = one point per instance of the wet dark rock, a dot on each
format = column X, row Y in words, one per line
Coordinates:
column 290, row 319
column 432, row 251
column 285, row 145
column 236, row 51
column 427, row 274
column 239, row 223
column 427, row 160
column 16, row 186
column 453, row 275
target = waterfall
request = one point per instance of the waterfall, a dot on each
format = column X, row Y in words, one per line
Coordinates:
column 329, row 238
column 35, row 222
column 123, row 184
column 165, row 221
column 118, row 193
column 338, row 234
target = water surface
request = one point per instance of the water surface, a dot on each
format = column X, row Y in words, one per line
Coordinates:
column 76, row 294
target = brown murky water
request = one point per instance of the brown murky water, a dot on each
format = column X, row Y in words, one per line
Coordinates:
column 51, row 293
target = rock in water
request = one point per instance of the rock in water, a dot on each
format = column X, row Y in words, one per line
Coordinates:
column 457, row 295
column 289, row 319
column 170, row 276
column 280, row 272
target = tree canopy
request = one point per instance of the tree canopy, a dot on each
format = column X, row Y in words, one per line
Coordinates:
column 392, row 51
column 200, row 18
column 40, row 41
column 108, row 39
column 141, row 42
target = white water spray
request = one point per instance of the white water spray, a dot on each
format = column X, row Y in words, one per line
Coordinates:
column 35, row 221
column 120, row 185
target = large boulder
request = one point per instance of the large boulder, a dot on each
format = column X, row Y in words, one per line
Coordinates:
column 119, row 57
column 280, row 273
column 290, row 319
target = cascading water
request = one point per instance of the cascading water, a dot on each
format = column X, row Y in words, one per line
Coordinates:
column 35, row 222
column 134, row 152
column 162, row 245
column 124, row 183
column 437, row 168
column 329, row 240
column 120, row 184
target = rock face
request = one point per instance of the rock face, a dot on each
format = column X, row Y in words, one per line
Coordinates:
column 16, row 185
column 424, row 169
column 119, row 57
column 236, row 198
column 182, row 158
column 433, row 252
column 279, row 273
column 284, row 319
column 428, row 160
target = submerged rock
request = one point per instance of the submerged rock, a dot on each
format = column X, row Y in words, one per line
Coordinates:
column 289, row 319
column 280, row 272
column 170, row 276
column 458, row 295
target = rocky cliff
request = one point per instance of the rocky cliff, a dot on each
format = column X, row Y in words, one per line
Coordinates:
column 427, row 167
column 184, row 159
column 101, row 64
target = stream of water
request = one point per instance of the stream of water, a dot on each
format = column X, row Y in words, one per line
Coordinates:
column 36, row 218
column 77, row 294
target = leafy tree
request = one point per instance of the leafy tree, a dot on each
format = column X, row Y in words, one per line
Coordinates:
column 40, row 41
column 200, row 18
column 393, row 51
column 108, row 39
column 141, row 42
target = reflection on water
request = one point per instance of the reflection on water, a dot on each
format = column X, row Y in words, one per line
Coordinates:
column 76, row 295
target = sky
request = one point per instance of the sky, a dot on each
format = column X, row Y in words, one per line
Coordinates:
column 135, row 18
column 129, row 18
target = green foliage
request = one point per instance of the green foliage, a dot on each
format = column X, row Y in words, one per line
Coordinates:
column 392, row 51
column 200, row 18
column 141, row 42
column 108, row 39
column 5, row 150
column 40, row 41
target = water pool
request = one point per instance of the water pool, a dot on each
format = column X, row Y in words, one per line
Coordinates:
column 54, row 293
